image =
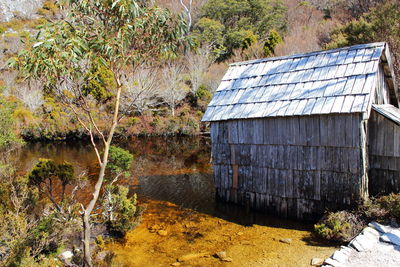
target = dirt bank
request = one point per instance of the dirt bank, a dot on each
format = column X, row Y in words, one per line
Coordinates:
column 168, row 233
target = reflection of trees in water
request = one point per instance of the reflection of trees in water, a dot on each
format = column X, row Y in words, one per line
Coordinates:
column 79, row 154
column 174, row 168
column 172, row 155
column 153, row 155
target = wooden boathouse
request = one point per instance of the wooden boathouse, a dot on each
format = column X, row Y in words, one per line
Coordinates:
column 300, row 134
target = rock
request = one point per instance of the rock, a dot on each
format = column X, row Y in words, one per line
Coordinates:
column 391, row 238
column 366, row 243
column 371, row 233
column 394, row 223
column 221, row 254
column 340, row 256
column 227, row 259
column 355, row 244
column 176, row 264
column 378, row 227
column 245, row 242
column 240, row 233
column 334, row 263
column 162, row 232
column 66, row 255
column 347, row 250
column 192, row 256
column 286, row 240
column 317, row 261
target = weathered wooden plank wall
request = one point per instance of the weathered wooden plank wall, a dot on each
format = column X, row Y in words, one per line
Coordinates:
column 384, row 155
column 293, row 166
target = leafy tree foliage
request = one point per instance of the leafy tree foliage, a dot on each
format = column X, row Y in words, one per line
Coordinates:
column 121, row 213
column 8, row 136
column 273, row 40
column 240, row 23
column 46, row 174
column 100, row 83
column 380, row 24
column 210, row 32
column 118, row 35
column 120, row 161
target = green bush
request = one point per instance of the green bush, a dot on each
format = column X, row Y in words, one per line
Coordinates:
column 339, row 226
column 391, row 204
column 121, row 213
column 119, row 161
column 8, row 136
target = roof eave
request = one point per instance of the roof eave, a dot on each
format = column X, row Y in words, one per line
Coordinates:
column 388, row 69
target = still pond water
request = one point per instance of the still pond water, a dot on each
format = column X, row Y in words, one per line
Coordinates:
column 172, row 169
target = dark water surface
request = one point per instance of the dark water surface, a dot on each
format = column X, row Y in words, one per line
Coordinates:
column 174, row 169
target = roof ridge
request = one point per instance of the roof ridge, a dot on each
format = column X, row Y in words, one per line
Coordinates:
column 307, row 54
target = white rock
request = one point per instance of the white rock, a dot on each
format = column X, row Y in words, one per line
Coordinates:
column 391, row 238
column 381, row 228
column 355, row 244
column 371, row 232
column 316, row 261
column 66, row 255
column 365, row 242
column 347, row 250
column 334, row 263
column 340, row 256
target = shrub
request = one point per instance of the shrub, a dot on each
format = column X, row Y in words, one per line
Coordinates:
column 391, row 204
column 133, row 121
column 339, row 226
column 121, row 213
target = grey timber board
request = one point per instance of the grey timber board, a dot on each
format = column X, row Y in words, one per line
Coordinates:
column 384, row 158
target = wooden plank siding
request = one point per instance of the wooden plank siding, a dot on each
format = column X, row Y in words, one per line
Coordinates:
column 384, row 155
column 291, row 166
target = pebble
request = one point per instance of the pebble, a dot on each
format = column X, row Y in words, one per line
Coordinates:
column 222, row 256
column 317, row 261
column 176, row 264
column 286, row 240
column 162, row 233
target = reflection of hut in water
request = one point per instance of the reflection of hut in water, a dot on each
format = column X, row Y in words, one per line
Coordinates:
column 298, row 134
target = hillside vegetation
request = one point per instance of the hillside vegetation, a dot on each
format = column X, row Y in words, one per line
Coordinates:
column 170, row 96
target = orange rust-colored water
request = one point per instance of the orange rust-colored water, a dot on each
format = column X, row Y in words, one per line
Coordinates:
column 173, row 177
column 188, row 232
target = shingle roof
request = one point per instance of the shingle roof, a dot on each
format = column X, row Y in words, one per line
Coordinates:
column 389, row 111
column 331, row 81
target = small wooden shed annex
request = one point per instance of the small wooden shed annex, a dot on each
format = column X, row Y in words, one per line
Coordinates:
column 300, row 134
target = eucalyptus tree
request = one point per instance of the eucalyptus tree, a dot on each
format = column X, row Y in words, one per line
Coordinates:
column 113, row 36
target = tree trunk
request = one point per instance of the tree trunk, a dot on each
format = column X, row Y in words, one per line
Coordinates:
column 99, row 183
column 90, row 207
